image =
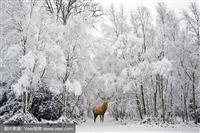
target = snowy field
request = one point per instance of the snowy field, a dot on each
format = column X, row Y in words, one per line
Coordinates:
column 110, row 125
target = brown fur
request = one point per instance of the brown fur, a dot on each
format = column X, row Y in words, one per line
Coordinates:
column 101, row 109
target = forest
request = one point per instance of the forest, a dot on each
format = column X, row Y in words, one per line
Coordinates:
column 54, row 67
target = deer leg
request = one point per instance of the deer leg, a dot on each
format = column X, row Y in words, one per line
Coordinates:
column 100, row 118
column 95, row 116
column 103, row 118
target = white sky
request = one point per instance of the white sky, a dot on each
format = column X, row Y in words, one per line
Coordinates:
column 129, row 5
column 150, row 4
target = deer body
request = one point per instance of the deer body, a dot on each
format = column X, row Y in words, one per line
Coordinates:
column 101, row 109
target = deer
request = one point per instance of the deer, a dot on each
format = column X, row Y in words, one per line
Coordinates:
column 101, row 109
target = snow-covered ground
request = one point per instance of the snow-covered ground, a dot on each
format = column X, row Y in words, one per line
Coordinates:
column 110, row 125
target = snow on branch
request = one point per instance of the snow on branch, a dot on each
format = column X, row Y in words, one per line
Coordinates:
column 163, row 67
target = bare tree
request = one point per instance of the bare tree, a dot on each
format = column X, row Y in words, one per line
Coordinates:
column 162, row 19
column 141, row 18
column 173, row 25
column 65, row 8
column 192, row 20
column 118, row 20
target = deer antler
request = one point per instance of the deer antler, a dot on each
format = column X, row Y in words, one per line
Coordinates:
column 111, row 95
column 100, row 96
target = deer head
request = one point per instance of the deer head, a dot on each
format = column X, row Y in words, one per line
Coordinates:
column 105, row 100
column 101, row 109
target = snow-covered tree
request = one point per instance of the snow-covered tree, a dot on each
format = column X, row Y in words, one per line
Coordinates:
column 53, row 67
column 190, row 59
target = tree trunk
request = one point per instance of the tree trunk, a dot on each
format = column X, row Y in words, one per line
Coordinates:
column 172, row 111
column 182, row 111
column 64, row 101
column 183, row 119
column 29, row 101
column 194, row 99
column 163, row 100
column 116, row 111
column 143, row 101
column 144, row 39
column 148, row 108
column 155, row 98
column 24, row 101
column 155, row 101
column 65, row 89
column 139, row 106
column 186, row 111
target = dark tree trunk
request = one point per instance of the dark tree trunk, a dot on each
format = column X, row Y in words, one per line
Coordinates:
column 155, row 96
column 143, row 99
column 163, row 100
column 64, row 101
column 139, row 106
column 194, row 99
column 186, row 111
column 24, row 102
